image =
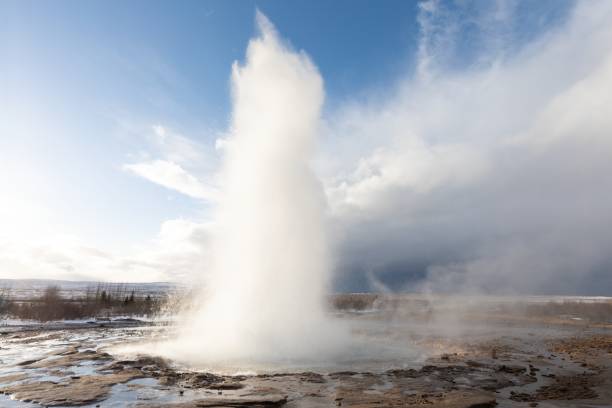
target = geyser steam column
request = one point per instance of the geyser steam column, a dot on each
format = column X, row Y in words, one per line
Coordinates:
column 265, row 300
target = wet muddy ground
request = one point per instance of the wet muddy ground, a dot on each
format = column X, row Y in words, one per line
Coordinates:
column 500, row 361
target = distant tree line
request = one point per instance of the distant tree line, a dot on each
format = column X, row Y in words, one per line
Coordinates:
column 102, row 301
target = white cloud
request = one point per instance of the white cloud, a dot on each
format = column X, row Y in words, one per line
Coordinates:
column 172, row 176
column 484, row 176
column 179, row 163
column 178, row 252
column 174, row 147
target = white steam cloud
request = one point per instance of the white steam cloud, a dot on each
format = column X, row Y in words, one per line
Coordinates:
column 491, row 174
column 264, row 297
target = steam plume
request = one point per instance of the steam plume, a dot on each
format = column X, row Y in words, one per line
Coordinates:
column 270, row 263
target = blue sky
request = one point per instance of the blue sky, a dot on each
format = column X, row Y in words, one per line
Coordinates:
column 90, row 79
column 110, row 115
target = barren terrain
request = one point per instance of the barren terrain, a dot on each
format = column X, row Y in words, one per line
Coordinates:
column 518, row 353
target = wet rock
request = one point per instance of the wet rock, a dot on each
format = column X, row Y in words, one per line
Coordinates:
column 128, row 320
column 258, row 401
column 410, row 373
column 197, row 380
column 66, row 351
column 339, row 374
column 61, row 373
column 227, row 386
column 395, row 397
column 203, row 380
column 12, row 378
column 473, row 375
column 26, row 362
column 569, row 388
column 310, row 377
column 68, row 360
column 521, row 396
column 73, row 392
column 564, row 388
column 167, row 380
column 511, row 369
column 151, row 364
column 306, row 376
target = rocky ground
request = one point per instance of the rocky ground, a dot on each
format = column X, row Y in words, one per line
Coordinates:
column 569, row 365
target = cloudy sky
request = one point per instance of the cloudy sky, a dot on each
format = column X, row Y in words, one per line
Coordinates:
column 464, row 145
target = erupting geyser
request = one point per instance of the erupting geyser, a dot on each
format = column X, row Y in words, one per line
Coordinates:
column 264, row 301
